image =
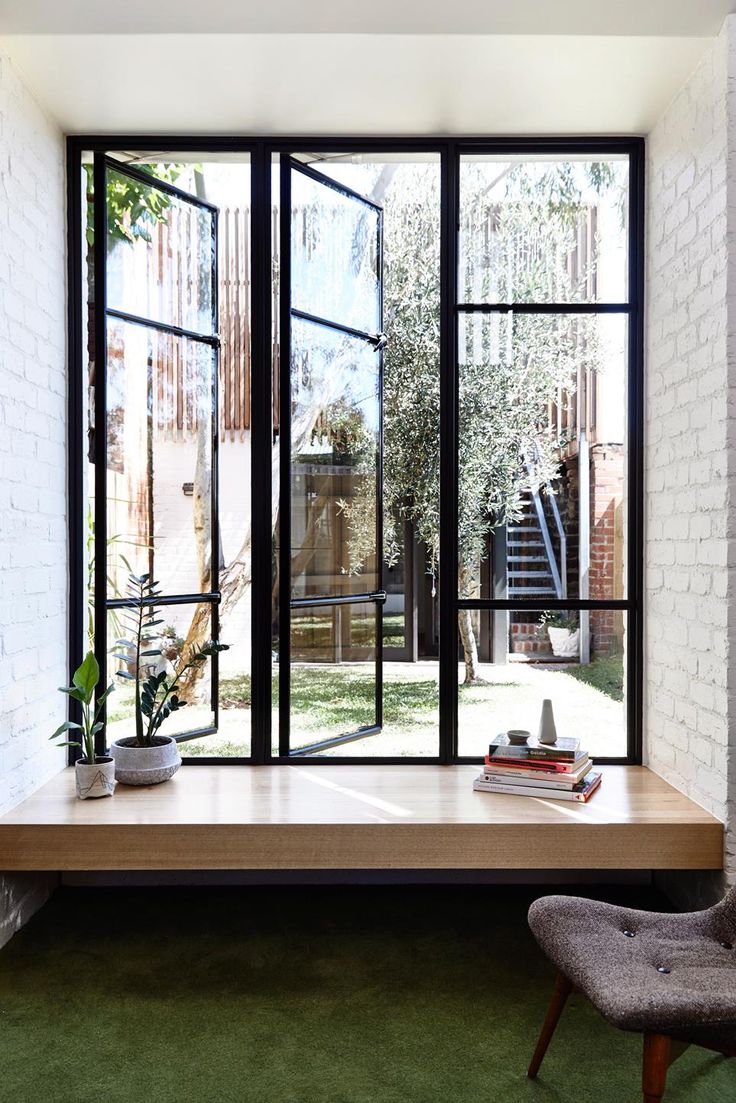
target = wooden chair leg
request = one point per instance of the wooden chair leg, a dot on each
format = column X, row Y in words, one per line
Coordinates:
column 562, row 990
column 657, row 1059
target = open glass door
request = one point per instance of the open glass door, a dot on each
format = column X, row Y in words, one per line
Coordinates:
column 330, row 561
column 156, row 417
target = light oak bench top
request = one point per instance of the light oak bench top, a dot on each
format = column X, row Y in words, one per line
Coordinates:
column 357, row 817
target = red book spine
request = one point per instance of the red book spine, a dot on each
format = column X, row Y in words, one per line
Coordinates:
column 547, row 766
column 584, row 797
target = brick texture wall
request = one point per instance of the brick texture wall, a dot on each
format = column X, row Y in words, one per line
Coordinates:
column 605, row 576
column 690, row 607
column 33, row 575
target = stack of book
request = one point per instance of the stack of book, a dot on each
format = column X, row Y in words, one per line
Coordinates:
column 558, row 771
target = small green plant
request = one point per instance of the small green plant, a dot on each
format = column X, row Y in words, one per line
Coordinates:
column 558, row 618
column 156, row 695
column 172, row 643
column 84, row 683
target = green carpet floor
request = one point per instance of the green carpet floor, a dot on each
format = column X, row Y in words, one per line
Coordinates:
column 305, row 995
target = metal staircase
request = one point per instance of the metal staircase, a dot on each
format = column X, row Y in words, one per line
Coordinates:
column 528, row 572
column 533, row 569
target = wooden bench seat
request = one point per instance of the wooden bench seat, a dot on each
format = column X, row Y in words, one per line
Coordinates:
column 356, row 817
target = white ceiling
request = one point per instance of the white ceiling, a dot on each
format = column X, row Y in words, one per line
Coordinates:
column 590, row 17
column 353, row 84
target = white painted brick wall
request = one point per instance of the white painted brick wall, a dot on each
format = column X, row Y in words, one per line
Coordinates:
column 691, row 316
column 33, row 557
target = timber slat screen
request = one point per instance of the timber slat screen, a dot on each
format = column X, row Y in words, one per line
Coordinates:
column 173, row 416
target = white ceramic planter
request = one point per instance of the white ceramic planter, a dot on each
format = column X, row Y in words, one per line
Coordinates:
column 145, row 765
column 95, row 781
column 565, row 644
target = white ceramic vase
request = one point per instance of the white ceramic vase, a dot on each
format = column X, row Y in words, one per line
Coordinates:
column 146, row 765
column 96, row 780
column 547, row 727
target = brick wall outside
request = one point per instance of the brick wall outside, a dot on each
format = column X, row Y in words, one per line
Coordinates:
column 606, row 552
column 33, row 579
column 605, row 576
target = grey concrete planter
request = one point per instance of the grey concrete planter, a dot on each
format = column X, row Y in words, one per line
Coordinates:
column 95, row 781
column 565, row 644
column 145, row 765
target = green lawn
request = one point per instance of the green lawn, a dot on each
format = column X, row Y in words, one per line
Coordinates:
column 328, row 700
column 605, row 672
column 393, row 629
column 324, row 696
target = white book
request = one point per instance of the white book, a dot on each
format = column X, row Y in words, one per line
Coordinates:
column 580, row 793
column 529, row 778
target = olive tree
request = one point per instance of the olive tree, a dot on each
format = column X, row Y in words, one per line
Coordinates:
column 511, row 367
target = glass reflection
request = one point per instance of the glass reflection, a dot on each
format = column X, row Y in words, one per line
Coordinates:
column 543, row 230
column 333, row 689
column 160, row 257
column 159, row 458
column 334, row 255
column 335, row 413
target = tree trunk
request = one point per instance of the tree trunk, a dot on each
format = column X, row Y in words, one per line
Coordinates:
column 467, row 585
column 470, row 647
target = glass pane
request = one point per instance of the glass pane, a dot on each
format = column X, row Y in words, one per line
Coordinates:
column 333, row 672
column 335, row 413
column 410, row 713
column 161, row 251
column 576, row 659
column 275, row 458
column 543, row 230
column 395, row 583
column 160, row 432
column 159, row 459
column 334, row 255
column 409, row 192
column 229, row 186
column 542, row 456
column 185, row 628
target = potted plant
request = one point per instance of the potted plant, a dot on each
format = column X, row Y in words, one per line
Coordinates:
column 149, row 757
column 563, row 632
column 95, row 774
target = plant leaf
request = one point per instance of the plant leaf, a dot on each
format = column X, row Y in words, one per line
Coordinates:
column 110, row 689
column 72, row 691
column 87, row 675
column 67, row 726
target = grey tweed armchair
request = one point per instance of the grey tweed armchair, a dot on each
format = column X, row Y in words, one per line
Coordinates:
column 670, row 977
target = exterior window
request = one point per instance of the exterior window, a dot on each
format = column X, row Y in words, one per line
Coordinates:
column 369, row 414
column 543, row 445
column 170, row 430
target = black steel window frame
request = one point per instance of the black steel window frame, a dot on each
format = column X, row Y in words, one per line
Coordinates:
column 103, row 314
column 261, row 152
column 288, row 166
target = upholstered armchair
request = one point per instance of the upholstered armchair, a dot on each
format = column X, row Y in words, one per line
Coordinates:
column 671, row 978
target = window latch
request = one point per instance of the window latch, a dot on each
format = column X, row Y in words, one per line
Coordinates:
column 380, row 341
